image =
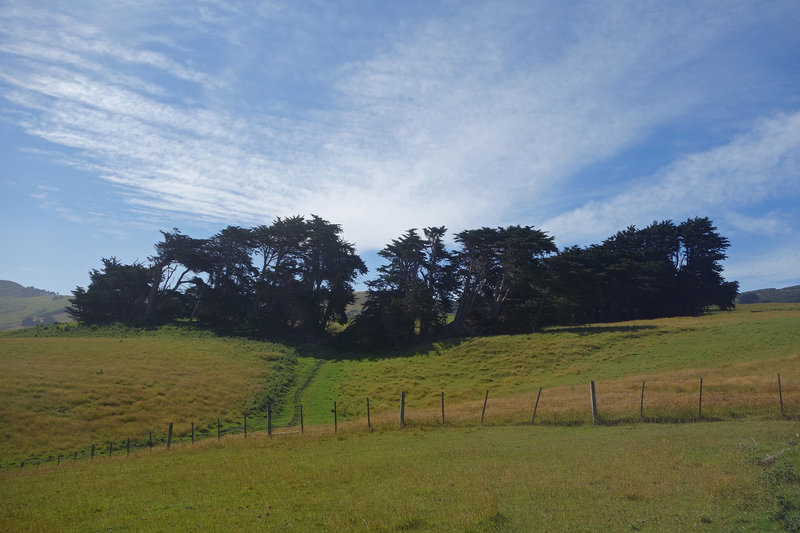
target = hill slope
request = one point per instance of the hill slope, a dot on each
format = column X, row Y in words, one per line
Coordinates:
column 785, row 295
column 22, row 307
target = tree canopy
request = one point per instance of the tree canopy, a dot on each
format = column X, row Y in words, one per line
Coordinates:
column 295, row 278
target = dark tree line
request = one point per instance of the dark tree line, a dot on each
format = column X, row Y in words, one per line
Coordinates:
column 295, row 278
column 291, row 278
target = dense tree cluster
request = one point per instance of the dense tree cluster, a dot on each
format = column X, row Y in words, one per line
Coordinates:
column 302, row 284
column 295, row 278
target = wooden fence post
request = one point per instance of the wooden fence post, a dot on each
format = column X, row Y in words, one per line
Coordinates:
column 301, row 418
column 110, row 448
column 269, row 419
column 442, row 407
column 641, row 403
column 91, row 454
column 485, row 399
column 402, row 408
column 76, row 456
column 335, row 419
column 536, row 406
column 594, row 402
column 369, row 422
column 128, row 446
column 150, row 439
column 780, row 394
column 700, row 404
column 169, row 435
column 59, row 461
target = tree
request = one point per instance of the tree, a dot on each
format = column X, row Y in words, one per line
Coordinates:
column 116, row 293
column 226, row 260
column 307, row 274
column 661, row 270
column 700, row 272
column 497, row 267
column 176, row 256
column 413, row 291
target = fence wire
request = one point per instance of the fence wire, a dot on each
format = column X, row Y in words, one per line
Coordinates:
column 680, row 399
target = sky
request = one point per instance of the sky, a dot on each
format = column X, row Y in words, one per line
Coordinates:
column 120, row 119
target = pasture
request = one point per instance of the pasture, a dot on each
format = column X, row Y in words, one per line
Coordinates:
column 63, row 388
column 59, row 394
column 739, row 354
column 648, row 477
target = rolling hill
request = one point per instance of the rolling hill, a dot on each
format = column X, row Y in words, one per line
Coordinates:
column 22, row 307
column 68, row 391
column 765, row 296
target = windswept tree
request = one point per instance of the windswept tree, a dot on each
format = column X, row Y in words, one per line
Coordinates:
column 175, row 265
column 306, row 278
column 661, row 270
column 699, row 269
column 116, row 293
column 412, row 294
column 227, row 263
column 501, row 277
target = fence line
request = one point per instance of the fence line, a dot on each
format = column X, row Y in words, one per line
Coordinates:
column 619, row 401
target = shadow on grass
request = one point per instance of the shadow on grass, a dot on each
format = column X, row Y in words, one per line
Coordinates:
column 594, row 330
column 335, row 353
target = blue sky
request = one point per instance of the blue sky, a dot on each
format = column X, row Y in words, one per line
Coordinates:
column 119, row 119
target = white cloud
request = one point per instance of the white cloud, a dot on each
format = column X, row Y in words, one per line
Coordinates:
column 760, row 163
column 777, row 268
column 464, row 118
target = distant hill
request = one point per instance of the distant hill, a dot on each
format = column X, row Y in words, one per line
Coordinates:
column 15, row 290
column 785, row 295
column 355, row 308
column 22, row 307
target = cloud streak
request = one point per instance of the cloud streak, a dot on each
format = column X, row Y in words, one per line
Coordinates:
column 758, row 164
column 485, row 114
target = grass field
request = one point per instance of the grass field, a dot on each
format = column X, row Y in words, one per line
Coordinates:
column 82, row 386
column 59, row 394
column 663, row 477
column 739, row 352
column 66, row 387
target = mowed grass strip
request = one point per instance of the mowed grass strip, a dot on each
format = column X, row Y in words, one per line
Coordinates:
column 687, row 477
column 764, row 338
column 60, row 394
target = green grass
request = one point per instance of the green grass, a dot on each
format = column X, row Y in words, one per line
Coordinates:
column 76, row 386
column 698, row 477
column 761, row 337
column 67, row 386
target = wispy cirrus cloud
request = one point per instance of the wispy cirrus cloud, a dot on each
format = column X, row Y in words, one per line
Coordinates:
column 482, row 114
column 758, row 164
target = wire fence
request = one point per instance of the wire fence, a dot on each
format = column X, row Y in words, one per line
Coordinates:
column 630, row 400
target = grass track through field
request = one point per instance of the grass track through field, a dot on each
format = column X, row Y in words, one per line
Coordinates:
column 298, row 394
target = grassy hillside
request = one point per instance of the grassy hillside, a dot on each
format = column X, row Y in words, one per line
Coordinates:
column 755, row 341
column 60, row 394
column 81, row 384
column 98, row 385
column 26, row 306
column 785, row 295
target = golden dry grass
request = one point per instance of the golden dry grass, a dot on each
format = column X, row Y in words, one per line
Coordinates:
column 62, row 394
